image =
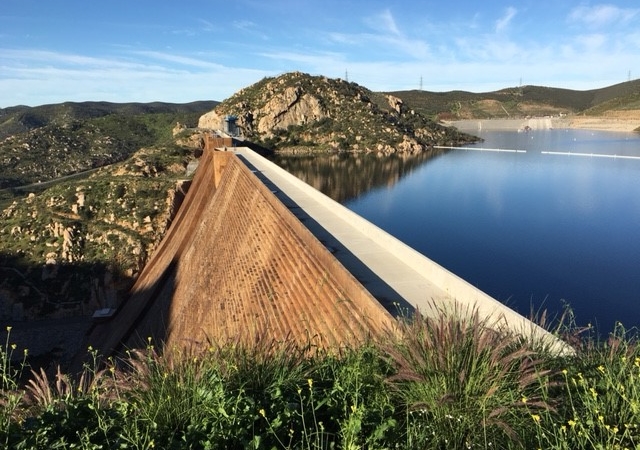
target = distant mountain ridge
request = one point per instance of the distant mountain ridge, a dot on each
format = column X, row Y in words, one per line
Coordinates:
column 19, row 119
column 523, row 101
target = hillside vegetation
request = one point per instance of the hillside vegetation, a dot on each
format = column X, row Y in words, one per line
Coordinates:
column 71, row 245
column 60, row 140
column 299, row 111
column 523, row 101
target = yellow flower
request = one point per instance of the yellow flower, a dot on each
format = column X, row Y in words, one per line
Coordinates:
column 601, row 418
column 564, row 371
column 13, row 346
column 8, row 328
column 536, row 418
column 572, row 423
column 263, row 413
column 601, row 369
column 310, row 382
column 524, row 399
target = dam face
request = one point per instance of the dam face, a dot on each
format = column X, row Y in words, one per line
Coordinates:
column 254, row 253
column 237, row 266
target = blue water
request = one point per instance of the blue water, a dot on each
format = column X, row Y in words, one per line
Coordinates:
column 533, row 230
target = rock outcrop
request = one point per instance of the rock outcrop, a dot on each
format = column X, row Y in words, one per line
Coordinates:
column 297, row 111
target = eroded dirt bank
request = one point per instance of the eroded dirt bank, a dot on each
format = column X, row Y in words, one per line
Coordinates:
column 623, row 121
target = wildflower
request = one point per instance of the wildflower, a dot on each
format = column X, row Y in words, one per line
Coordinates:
column 564, row 371
column 26, row 351
column 601, row 369
column 263, row 413
column 524, row 399
column 536, row 418
column 572, row 423
column 310, row 382
column 594, row 394
column 9, row 328
column 13, row 346
column 601, row 418
column 354, row 408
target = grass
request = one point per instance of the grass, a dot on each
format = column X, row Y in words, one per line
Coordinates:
column 443, row 383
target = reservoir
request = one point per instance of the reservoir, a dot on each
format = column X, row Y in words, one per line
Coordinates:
column 555, row 223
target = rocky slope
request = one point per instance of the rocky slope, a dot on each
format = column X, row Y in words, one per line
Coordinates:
column 297, row 111
column 77, row 245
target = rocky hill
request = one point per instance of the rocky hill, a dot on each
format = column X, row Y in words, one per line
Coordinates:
column 72, row 244
column 297, row 111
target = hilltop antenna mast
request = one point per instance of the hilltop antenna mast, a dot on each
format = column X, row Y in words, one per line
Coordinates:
column 629, row 76
column 346, row 75
column 420, row 82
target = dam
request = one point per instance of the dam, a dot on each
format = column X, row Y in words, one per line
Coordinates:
column 256, row 253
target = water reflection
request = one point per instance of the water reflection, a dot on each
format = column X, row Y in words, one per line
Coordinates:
column 347, row 176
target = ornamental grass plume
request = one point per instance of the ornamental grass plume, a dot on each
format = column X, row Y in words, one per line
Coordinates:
column 463, row 382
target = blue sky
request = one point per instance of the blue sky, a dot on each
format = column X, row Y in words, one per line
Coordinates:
column 157, row 50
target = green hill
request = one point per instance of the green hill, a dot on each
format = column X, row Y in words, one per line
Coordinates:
column 522, row 101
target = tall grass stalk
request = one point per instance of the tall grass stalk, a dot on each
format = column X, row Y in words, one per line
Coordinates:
column 10, row 394
column 464, row 384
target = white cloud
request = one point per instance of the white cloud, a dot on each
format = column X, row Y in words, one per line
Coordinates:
column 178, row 59
column 504, row 21
column 602, row 15
column 385, row 22
column 387, row 41
column 40, row 77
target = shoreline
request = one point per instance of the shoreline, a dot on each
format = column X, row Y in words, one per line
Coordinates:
column 605, row 123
